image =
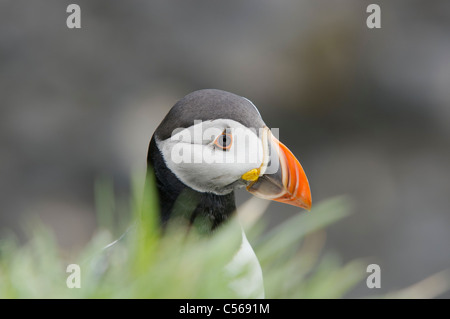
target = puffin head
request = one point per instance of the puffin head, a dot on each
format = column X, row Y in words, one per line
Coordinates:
column 214, row 142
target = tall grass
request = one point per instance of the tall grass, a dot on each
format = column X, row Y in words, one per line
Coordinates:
column 147, row 263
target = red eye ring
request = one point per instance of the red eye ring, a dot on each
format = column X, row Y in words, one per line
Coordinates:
column 224, row 141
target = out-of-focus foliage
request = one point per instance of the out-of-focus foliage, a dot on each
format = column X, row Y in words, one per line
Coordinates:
column 145, row 263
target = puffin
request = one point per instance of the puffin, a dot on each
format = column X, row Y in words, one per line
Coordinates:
column 210, row 144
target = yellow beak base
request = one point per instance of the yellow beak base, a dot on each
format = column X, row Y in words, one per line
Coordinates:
column 252, row 175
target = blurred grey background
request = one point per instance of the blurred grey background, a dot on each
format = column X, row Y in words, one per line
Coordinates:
column 367, row 112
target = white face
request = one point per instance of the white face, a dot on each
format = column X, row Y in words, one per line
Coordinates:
column 211, row 156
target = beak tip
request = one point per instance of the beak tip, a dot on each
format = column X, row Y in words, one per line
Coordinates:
column 305, row 204
column 308, row 204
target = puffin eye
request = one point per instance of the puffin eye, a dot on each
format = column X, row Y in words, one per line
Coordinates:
column 224, row 141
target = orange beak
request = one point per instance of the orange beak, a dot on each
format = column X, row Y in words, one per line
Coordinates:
column 285, row 182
